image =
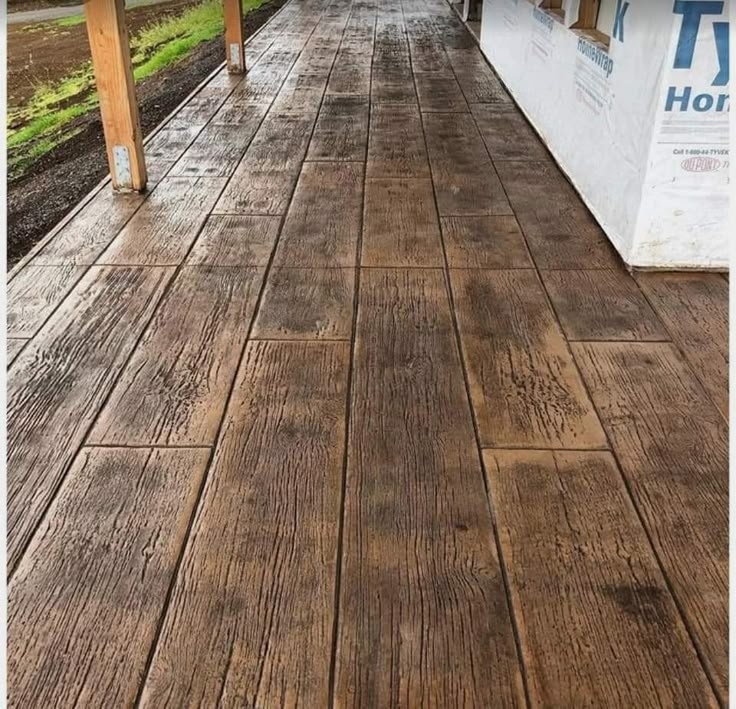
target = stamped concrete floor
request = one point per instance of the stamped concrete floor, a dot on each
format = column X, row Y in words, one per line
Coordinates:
column 357, row 407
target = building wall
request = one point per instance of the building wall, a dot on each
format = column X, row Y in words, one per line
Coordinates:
column 611, row 122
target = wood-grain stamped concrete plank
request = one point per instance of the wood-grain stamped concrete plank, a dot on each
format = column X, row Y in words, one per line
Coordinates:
column 34, row 294
column 396, row 143
column 694, row 307
column 14, row 346
column 485, row 242
column 85, row 601
column 526, row 390
column 477, row 80
column 602, row 305
column 597, row 624
column 423, row 606
column 218, row 149
column 60, row 380
column 301, row 95
column 672, row 445
column 560, row 231
column 341, row 132
column 307, row 303
column 235, row 240
column 351, row 76
column 465, row 181
column 250, row 621
column 322, row 226
column 506, row 133
column 264, row 180
column 401, row 227
column 438, row 91
column 89, row 232
column 167, row 224
column 174, row 389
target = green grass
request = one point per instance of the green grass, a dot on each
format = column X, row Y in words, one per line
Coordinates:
column 69, row 21
column 46, row 120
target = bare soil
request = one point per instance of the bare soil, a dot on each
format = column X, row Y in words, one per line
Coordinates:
column 60, row 179
column 46, row 53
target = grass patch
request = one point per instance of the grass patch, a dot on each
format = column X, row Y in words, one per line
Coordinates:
column 45, row 121
column 71, row 21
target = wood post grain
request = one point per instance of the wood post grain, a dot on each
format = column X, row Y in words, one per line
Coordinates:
column 110, row 48
column 587, row 14
column 234, row 39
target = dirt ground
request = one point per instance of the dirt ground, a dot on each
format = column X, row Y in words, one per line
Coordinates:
column 57, row 181
column 46, row 56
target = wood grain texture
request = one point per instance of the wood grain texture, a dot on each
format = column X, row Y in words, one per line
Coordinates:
column 167, row 224
column 560, row 231
column 439, row 91
column 34, row 294
column 506, row 133
column 171, row 142
column 234, row 240
column 465, row 181
column 477, row 80
column 262, row 83
column 423, row 606
column 401, row 226
column 109, row 45
column 694, row 307
column 341, row 131
column 396, row 143
column 307, row 304
column 264, row 179
column 86, row 599
column 484, row 242
column 526, row 390
column 14, row 346
column 200, row 109
column 60, row 380
column 301, row 95
column 238, row 111
column 350, row 77
column 218, row 149
column 234, row 36
column 425, row 45
column 357, row 40
column 89, row 232
column 591, row 604
column 251, row 616
column 173, row 391
column 673, row 448
column 602, row 305
column 354, row 562
column 397, row 89
column 454, row 33
column 322, row 226
column 428, row 55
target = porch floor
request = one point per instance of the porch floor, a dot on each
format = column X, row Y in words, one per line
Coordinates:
column 357, row 407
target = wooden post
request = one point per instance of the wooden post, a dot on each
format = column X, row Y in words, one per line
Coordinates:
column 587, row 15
column 108, row 42
column 234, row 40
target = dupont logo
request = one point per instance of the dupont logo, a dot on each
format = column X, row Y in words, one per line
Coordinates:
column 700, row 164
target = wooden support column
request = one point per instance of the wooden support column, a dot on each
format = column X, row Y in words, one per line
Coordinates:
column 108, row 42
column 587, row 15
column 234, row 40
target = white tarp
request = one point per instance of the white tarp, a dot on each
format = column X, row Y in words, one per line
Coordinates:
column 641, row 129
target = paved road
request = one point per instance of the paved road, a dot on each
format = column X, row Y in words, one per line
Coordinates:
column 48, row 14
